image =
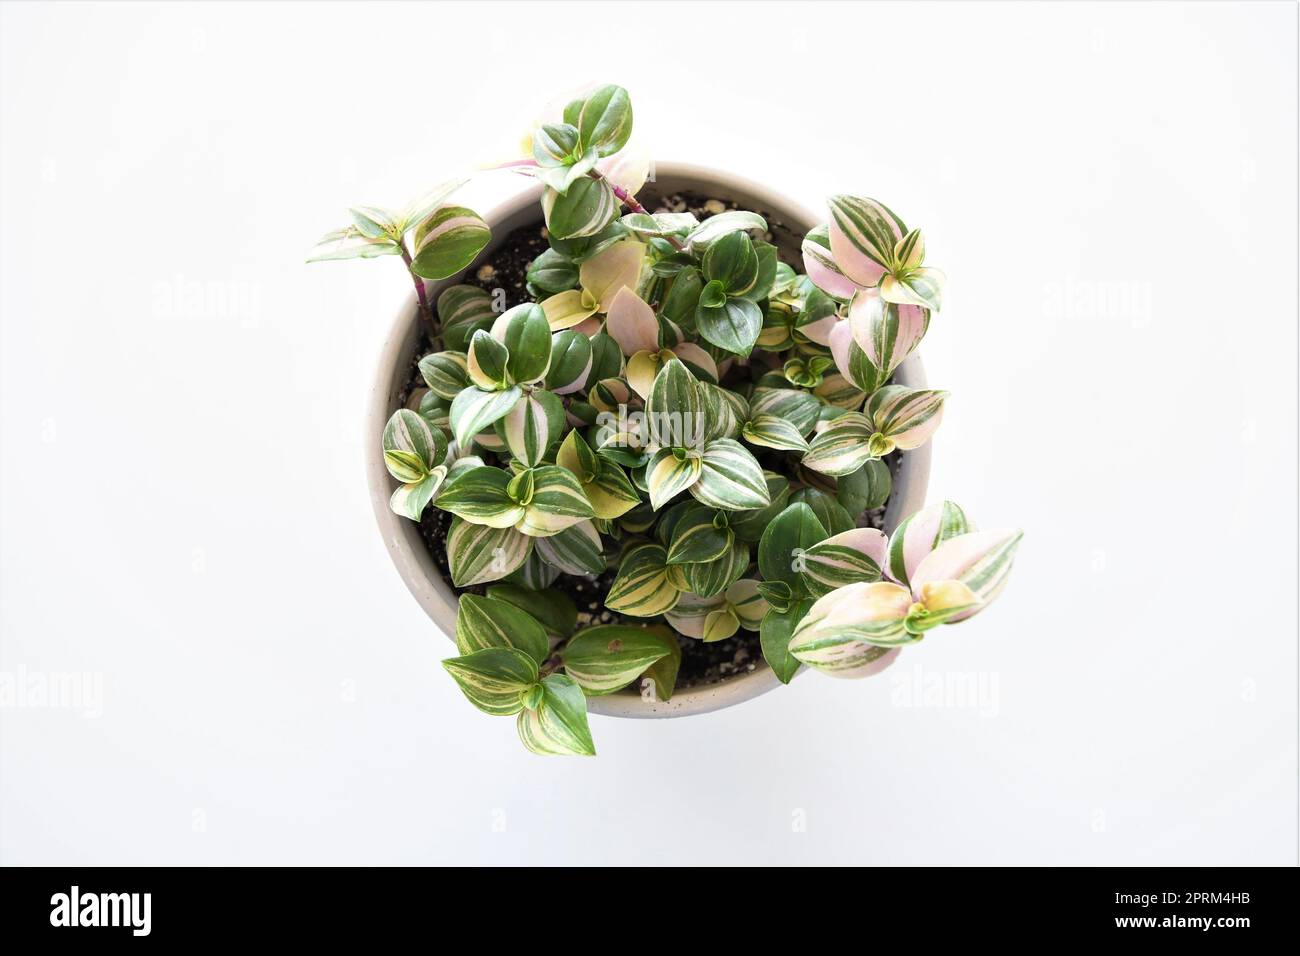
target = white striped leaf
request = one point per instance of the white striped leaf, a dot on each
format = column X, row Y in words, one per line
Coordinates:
column 534, row 572
column 885, row 334
column 920, row 533
column 478, row 554
column 554, row 143
column 481, row 495
column 863, row 234
column 842, row 447
column 351, row 243
column 730, row 478
column 723, row 411
column 698, row 537
column 819, row 264
column 769, row 431
column 446, row 373
column 838, row 392
column 425, row 205
column 604, row 120
column 641, row 587
column 661, row 676
column 715, row 227
column 463, row 310
column 845, row 631
column 660, row 223
column 843, row 559
column 981, row 560
column 902, row 417
column 494, row 679
column 558, row 725
column 708, row 578
column 605, row 484
column 673, row 409
column 797, row 407
column 533, row 425
column 486, row 622
column 670, row 472
column 747, row 603
column 690, row 615
column 586, row 208
column 411, row 446
column 473, row 410
column 749, row 525
column 556, row 502
column 447, row 241
column 920, row 287
column 554, row 610
column 575, row 550
column 486, row 362
column 852, row 361
column 609, row 657
column 410, row 500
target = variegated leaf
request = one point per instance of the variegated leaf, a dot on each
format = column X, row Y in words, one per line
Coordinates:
column 533, row 425
column 641, row 587
column 463, row 310
column 474, row 410
column 447, row 241
column 769, row 431
column 838, row 392
column 843, row 559
column 351, row 243
column 730, row 478
column 445, row 373
column 661, row 676
column 713, row 577
column 819, row 264
column 749, row 525
column 747, row 603
column 920, row 287
column 554, row 610
column 698, row 536
column 610, row 271
column 607, row 658
column 494, row 679
column 846, row 631
column 714, row 228
column 557, row 502
column 411, row 446
column 643, row 367
column 575, row 550
column 606, row 485
column 981, row 560
column 534, row 572
column 842, row 446
column 920, row 533
column 410, row 500
column 670, row 472
column 797, row 407
column 631, row 323
column 526, row 335
column 564, row 310
column 586, row 208
column 481, row 495
column 487, row 361
column 863, row 234
column 478, row 554
column 673, row 411
column 902, row 417
column 691, row 613
column 558, row 725
column 571, row 363
column 424, row 206
column 485, row 622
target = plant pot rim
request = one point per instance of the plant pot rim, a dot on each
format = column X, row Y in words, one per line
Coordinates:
column 402, row 536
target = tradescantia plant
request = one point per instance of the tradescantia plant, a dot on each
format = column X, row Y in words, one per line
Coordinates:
column 680, row 415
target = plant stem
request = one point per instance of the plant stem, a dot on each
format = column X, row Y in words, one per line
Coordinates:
column 631, row 202
column 420, row 294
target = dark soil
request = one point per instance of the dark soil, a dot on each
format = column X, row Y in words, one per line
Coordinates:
column 506, row 268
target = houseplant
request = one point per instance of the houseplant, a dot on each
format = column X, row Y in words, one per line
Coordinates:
column 677, row 417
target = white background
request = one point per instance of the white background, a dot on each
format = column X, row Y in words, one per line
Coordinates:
column 1112, row 192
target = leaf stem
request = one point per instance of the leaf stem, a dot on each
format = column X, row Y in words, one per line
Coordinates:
column 420, row 293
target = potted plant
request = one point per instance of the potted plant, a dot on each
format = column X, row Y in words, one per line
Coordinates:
column 638, row 437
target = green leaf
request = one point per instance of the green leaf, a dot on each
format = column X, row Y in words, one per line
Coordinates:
column 474, row 410
column 533, row 425
column 480, row 495
column 609, row 657
column 571, row 362
column 660, row 223
column 767, row 264
column 605, row 121
column 865, row 489
column 575, row 550
column 486, row 362
column 585, row 209
column 749, row 525
column 448, row 241
column 606, row 357
column 774, row 636
column 558, row 726
column 554, row 610
column 486, row 622
column 713, row 295
column 641, row 587
column 494, row 678
column 730, row 478
column 769, row 431
column 713, row 577
column 527, row 337
column 555, row 143
column 830, row 513
column 733, row 326
column 663, row 672
column 445, row 373
column 733, row 262
column 463, row 310
column 478, row 554
column 780, row 550
column 683, row 297
column 552, row 272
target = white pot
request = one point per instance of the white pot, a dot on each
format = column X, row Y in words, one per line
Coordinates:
column 788, row 222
